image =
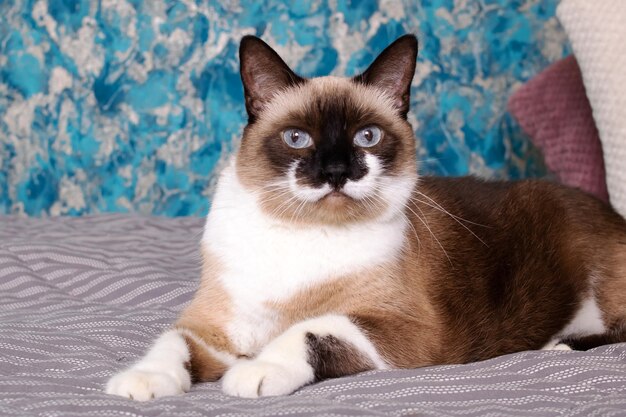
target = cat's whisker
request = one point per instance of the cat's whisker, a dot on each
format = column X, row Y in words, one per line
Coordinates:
column 438, row 207
column 277, row 183
column 275, row 196
column 441, row 209
column 377, row 198
column 404, row 216
column 369, row 204
column 453, row 218
column 292, row 201
column 450, row 214
column 295, row 207
column 272, row 190
column 280, row 206
column 425, row 223
column 419, row 243
column 269, row 190
column 295, row 216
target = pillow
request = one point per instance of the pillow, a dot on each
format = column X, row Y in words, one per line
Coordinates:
column 553, row 109
column 597, row 30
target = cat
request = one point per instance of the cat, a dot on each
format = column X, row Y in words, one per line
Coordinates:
column 325, row 254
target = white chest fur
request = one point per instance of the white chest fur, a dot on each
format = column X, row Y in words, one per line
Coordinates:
column 265, row 260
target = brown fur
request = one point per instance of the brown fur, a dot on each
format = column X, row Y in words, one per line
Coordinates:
column 330, row 357
column 488, row 268
column 382, row 305
column 427, row 309
column 205, row 317
column 611, row 275
column 526, row 281
column 203, row 366
column 548, row 239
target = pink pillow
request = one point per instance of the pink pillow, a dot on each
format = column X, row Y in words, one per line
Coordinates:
column 553, row 109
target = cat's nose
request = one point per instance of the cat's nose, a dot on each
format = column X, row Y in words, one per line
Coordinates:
column 336, row 174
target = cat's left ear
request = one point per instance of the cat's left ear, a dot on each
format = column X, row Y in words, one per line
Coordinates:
column 263, row 74
column 393, row 70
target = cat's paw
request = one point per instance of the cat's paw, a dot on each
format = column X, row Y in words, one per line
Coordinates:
column 143, row 385
column 556, row 344
column 256, row 378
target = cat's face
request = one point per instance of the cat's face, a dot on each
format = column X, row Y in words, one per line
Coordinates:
column 328, row 150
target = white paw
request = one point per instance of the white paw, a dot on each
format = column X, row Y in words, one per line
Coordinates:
column 561, row 346
column 556, row 345
column 256, row 378
column 143, row 385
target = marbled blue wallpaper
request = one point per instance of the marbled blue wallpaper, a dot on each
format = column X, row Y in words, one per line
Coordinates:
column 130, row 105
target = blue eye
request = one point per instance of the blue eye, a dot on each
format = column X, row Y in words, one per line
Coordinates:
column 367, row 137
column 297, row 138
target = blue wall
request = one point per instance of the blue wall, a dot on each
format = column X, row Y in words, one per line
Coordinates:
column 129, row 105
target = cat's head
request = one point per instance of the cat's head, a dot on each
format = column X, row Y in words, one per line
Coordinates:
column 328, row 150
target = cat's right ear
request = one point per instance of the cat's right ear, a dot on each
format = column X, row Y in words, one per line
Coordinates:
column 392, row 71
column 263, row 74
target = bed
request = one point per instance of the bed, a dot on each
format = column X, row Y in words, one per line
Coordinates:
column 81, row 298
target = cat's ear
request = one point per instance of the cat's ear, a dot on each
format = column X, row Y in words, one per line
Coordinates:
column 392, row 71
column 263, row 73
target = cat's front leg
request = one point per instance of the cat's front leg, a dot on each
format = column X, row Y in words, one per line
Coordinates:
column 324, row 347
column 177, row 357
column 161, row 372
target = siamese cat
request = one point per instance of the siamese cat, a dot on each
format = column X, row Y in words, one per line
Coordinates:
column 326, row 254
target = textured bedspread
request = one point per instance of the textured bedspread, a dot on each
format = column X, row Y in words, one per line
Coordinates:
column 81, row 298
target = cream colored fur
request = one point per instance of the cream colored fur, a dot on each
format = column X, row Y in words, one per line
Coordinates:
column 281, row 260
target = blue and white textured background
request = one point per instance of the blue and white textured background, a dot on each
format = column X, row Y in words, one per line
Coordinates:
column 130, row 105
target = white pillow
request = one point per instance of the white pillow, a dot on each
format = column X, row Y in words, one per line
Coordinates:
column 597, row 31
